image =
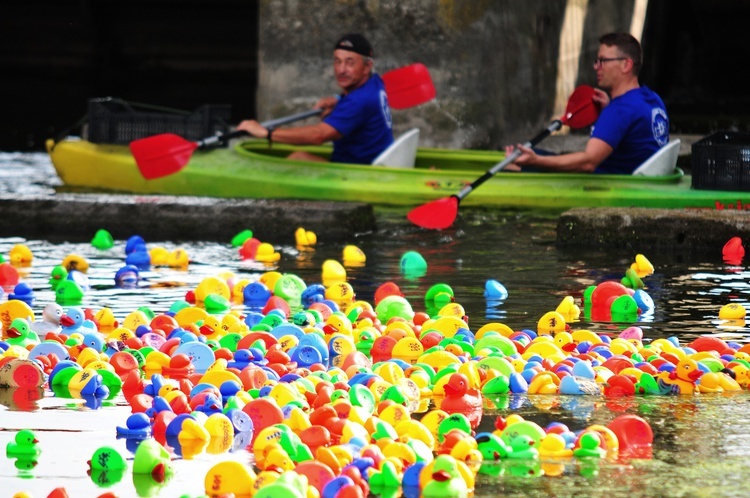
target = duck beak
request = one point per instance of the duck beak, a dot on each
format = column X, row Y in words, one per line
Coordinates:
column 158, row 473
column 695, row 374
column 449, row 389
column 13, row 333
column 441, row 476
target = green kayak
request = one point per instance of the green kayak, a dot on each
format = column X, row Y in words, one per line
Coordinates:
column 252, row 169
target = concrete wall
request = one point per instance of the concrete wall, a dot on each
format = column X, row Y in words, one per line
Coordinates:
column 494, row 63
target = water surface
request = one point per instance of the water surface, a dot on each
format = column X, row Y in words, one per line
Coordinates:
column 701, row 442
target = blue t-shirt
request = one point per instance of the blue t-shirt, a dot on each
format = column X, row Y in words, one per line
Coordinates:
column 635, row 125
column 363, row 118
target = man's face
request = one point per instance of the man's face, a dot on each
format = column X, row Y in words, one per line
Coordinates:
column 350, row 69
column 609, row 71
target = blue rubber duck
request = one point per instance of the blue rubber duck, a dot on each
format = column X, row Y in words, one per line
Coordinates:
column 24, row 446
column 74, row 320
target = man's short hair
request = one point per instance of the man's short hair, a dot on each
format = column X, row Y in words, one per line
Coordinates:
column 628, row 45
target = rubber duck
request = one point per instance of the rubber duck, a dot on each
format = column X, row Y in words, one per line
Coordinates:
column 523, row 447
column 20, row 334
column 459, row 398
column 20, row 255
column 683, row 376
column 288, row 485
column 491, row 446
column 446, row 480
column 23, row 292
column 50, row 322
column 230, row 478
column 387, row 476
column 107, row 458
column 716, row 382
column 74, row 320
column 23, row 446
column 152, row 458
column 589, row 444
column 137, row 426
column 305, row 237
column 58, row 274
column 554, row 446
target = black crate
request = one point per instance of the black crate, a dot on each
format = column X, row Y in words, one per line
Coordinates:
column 115, row 121
column 722, row 161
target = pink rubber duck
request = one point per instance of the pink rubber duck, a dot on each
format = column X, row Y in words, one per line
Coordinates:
column 460, row 398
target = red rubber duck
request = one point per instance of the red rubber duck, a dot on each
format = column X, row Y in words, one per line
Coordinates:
column 460, row 398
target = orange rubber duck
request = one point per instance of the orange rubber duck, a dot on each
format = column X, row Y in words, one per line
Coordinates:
column 460, row 398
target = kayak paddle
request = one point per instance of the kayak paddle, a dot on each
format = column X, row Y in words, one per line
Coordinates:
column 165, row 154
column 441, row 213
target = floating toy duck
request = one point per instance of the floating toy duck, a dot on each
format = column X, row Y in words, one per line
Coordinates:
column 138, row 426
column 446, row 480
column 554, row 446
column 305, row 237
column 522, row 447
column 58, row 274
column 152, row 458
column 460, row 398
column 589, row 445
column 74, row 320
column 717, row 382
column 684, row 376
column 492, row 447
column 289, row 484
column 20, row 334
column 20, row 255
column 107, row 458
column 230, row 478
column 50, row 322
column 24, row 446
column 23, row 292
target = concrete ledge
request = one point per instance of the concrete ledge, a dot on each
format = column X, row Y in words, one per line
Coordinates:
column 641, row 228
column 77, row 217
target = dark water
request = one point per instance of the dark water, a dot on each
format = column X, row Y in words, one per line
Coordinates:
column 701, row 442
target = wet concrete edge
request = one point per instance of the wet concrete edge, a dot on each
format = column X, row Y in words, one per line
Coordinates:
column 77, row 217
column 652, row 229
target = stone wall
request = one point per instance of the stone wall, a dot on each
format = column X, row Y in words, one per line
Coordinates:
column 494, row 63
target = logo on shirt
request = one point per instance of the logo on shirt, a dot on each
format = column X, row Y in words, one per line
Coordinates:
column 385, row 108
column 660, row 125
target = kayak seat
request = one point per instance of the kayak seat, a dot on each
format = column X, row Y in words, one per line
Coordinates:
column 662, row 162
column 402, row 153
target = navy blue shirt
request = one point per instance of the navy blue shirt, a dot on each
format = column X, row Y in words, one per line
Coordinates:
column 363, row 118
column 635, row 125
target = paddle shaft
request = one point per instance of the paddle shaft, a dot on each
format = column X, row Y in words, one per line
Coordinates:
column 554, row 126
column 270, row 124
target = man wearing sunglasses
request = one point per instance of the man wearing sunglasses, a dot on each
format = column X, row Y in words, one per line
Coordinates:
column 633, row 123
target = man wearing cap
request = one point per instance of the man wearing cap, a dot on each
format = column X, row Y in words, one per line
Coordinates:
column 358, row 121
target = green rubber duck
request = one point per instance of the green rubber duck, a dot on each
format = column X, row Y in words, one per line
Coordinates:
column 151, row 458
column 386, row 477
column 589, row 446
column 24, row 446
column 20, row 334
column 523, row 447
column 107, row 458
column 446, row 481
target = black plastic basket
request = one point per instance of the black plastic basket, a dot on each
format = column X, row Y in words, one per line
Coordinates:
column 115, row 121
column 722, row 162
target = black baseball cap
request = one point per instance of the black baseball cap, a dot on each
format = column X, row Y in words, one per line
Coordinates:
column 354, row 42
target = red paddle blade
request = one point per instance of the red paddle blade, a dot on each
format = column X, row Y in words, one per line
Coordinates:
column 581, row 110
column 408, row 86
column 161, row 155
column 435, row 215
